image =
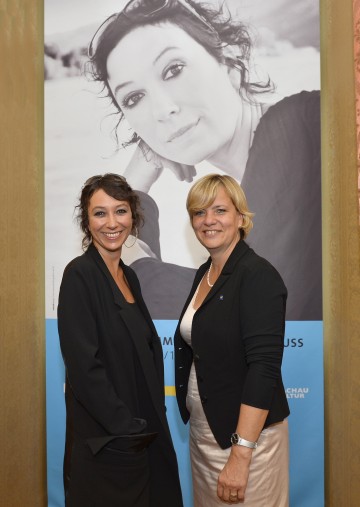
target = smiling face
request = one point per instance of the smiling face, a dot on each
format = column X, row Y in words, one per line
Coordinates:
column 217, row 227
column 110, row 222
column 173, row 93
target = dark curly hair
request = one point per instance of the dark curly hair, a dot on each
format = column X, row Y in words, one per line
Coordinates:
column 218, row 31
column 115, row 186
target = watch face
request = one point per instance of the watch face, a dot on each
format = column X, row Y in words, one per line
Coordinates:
column 234, row 438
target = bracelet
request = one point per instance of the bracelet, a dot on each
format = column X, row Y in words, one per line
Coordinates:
column 236, row 439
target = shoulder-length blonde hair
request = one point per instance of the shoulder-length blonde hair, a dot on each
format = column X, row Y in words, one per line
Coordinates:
column 203, row 193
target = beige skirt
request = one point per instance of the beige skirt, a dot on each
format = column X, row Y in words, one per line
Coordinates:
column 268, row 484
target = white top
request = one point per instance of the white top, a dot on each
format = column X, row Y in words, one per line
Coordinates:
column 186, row 321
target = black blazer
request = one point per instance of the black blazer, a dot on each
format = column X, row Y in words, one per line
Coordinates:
column 115, row 376
column 237, row 344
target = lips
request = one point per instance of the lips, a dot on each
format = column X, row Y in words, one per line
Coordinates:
column 182, row 131
column 112, row 235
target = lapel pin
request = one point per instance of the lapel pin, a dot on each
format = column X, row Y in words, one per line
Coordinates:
column 221, row 297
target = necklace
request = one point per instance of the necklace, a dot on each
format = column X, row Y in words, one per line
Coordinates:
column 208, row 276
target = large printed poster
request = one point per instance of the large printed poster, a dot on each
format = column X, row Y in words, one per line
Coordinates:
column 278, row 166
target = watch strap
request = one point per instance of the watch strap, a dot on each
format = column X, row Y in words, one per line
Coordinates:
column 236, row 439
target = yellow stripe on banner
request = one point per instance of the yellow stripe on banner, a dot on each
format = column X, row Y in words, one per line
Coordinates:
column 170, row 391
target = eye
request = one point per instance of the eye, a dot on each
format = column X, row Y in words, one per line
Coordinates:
column 99, row 213
column 131, row 100
column 173, row 71
column 121, row 211
column 199, row 213
column 220, row 211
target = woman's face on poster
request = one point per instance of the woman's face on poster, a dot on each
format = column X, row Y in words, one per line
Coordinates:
column 173, row 93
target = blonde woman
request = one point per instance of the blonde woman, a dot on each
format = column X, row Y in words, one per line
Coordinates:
column 228, row 352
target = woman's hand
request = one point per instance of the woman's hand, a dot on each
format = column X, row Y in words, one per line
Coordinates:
column 146, row 166
column 234, row 476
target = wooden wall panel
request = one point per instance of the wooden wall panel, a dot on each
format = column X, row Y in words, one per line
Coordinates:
column 341, row 257
column 22, row 363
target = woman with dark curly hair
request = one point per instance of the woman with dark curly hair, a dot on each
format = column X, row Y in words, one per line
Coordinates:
column 118, row 449
column 178, row 72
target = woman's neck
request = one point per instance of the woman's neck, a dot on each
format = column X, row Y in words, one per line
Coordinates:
column 220, row 256
column 111, row 259
column 232, row 157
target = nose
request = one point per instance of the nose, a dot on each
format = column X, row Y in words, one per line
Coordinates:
column 111, row 222
column 209, row 218
column 164, row 106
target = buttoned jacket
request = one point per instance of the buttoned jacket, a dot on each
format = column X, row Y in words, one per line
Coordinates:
column 237, row 344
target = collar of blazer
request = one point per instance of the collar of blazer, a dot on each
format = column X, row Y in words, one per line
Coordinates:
column 240, row 249
column 133, row 282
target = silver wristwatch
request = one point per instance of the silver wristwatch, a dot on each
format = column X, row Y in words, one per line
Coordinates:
column 236, row 439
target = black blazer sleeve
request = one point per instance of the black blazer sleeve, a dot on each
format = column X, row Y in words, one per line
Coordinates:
column 262, row 320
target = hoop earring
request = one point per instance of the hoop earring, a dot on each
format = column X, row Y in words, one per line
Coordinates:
column 136, row 237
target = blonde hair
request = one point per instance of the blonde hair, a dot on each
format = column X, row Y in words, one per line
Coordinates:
column 203, row 193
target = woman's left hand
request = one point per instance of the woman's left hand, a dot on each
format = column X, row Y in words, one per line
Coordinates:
column 234, row 476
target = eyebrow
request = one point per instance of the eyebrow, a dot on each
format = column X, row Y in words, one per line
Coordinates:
column 96, row 208
column 170, row 48
column 122, row 85
column 122, row 203
column 118, row 87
